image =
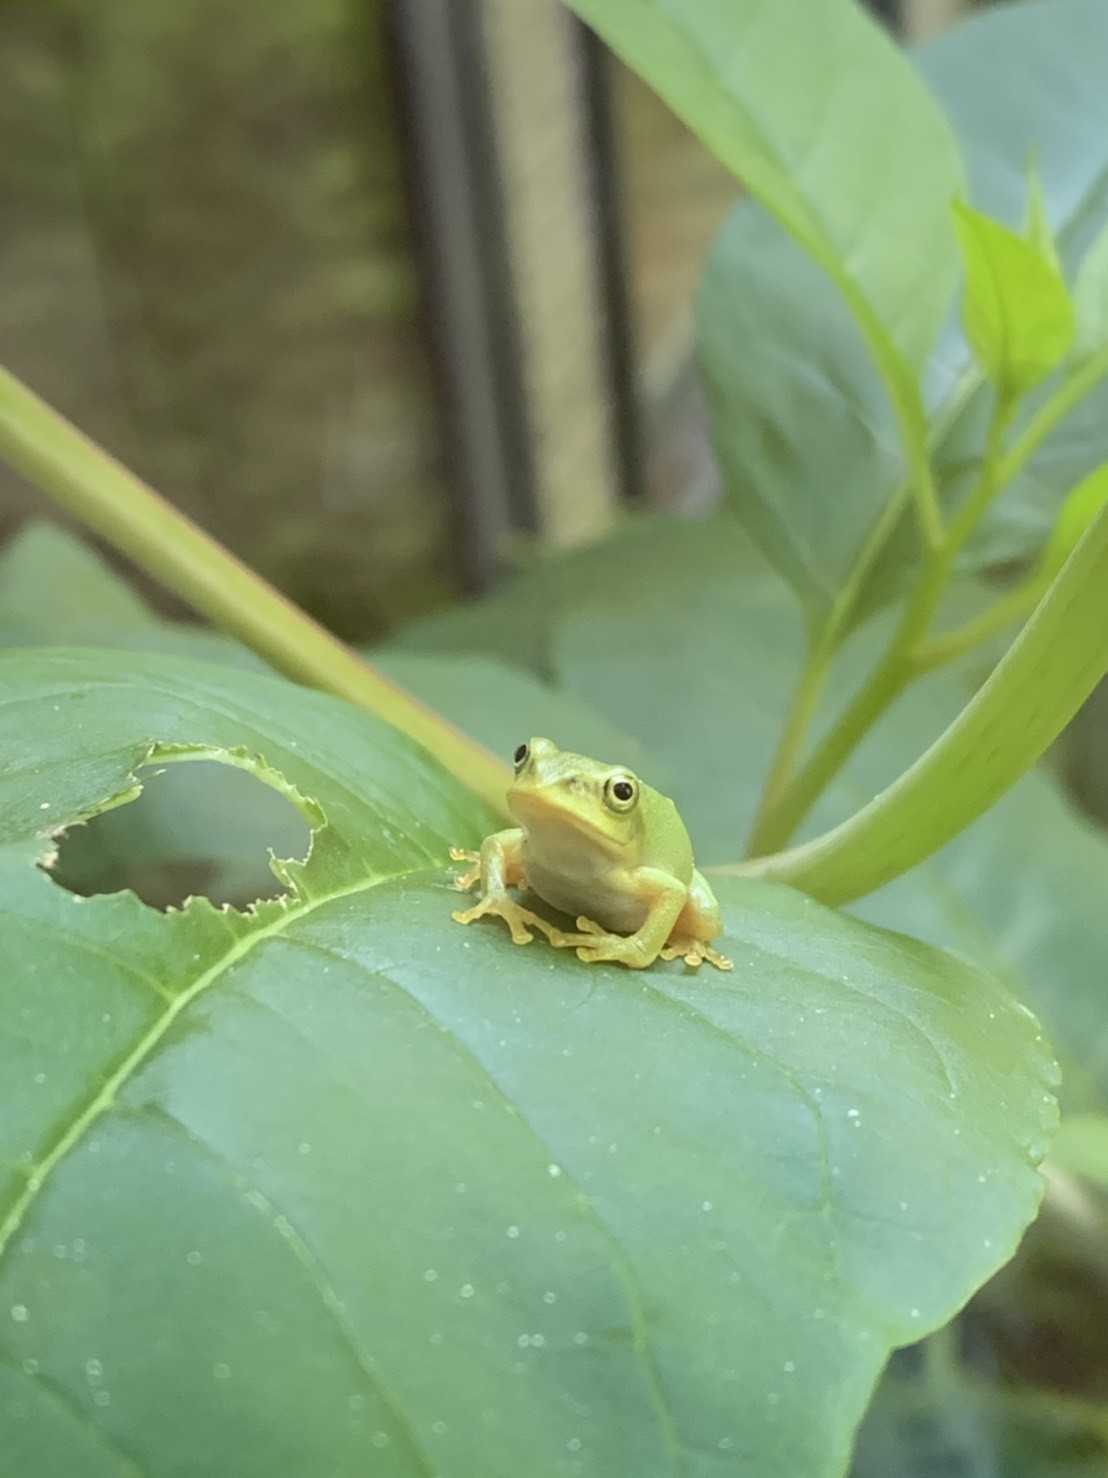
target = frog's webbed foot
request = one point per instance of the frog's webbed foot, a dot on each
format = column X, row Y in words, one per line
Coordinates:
column 595, row 945
column 466, row 880
column 694, row 952
column 518, row 919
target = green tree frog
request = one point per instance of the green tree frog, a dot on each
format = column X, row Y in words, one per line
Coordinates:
column 593, row 841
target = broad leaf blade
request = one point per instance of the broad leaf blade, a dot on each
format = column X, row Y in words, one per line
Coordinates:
column 801, row 423
column 794, row 96
column 1021, row 892
column 789, row 376
column 345, row 1188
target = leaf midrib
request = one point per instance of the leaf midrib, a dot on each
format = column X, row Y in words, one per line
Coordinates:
column 78, row 1126
column 106, row 1098
column 311, row 1266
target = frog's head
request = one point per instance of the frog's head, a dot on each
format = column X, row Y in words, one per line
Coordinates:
column 557, row 793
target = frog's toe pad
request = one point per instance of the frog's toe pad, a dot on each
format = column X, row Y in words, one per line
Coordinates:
column 512, row 917
column 695, row 954
column 614, row 949
column 587, row 926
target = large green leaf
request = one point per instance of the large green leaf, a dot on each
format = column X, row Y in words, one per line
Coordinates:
column 203, row 828
column 807, row 441
column 795, row 98
column 206, row 828
column 335, row 1186
column 691, row 646
column 55, row 590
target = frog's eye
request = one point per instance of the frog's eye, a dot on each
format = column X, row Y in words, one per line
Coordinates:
column 621, row 792
column 520, row 757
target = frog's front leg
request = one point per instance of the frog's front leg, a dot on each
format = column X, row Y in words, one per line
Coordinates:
column 665, row 898
column 499, row 867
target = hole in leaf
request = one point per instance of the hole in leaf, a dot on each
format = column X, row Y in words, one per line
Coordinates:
column 201, row 829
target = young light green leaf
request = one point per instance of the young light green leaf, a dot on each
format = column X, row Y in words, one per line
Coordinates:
column 1016, row 309
column 1036, row 227
column 1080, row 509
column 1091, row 297
column 369, row 1192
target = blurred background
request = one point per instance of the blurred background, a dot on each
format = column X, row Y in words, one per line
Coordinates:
column 390, row 295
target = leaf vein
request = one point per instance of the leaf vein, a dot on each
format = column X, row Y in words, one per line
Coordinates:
column 625, row 1268
column 63, row 1401
column 72, row 1134
column 301, row 1250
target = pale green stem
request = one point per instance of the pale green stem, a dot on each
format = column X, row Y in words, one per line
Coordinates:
column 1036, row 688
column 988, row 485
column 896, row 668
column 76, row 473
column 1017, row 605
column 884, row 684
column 830, row 637
column 802, row 709
column 1079, row 383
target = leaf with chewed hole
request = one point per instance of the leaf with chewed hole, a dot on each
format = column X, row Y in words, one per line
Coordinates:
column 335, row 1185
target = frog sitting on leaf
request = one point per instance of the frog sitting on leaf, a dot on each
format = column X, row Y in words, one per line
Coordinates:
column 595, row 842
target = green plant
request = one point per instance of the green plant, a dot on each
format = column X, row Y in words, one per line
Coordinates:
column 327, row 1184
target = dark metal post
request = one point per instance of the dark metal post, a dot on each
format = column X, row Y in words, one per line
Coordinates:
column 459, row 200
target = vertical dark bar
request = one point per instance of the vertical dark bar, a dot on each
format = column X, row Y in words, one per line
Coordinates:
column 890, row 11
column 458, row 198
column 606, row 185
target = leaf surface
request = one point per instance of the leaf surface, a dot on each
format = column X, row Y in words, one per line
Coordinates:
column 683, row 637
column 335, row 1185
column 1016, row 309
column 793, row 96
column 805, row 435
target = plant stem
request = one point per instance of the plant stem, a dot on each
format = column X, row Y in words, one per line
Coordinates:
column 884, row 684
column 899, row 665
column 1034, row 691
column 831, row 635
column 802, row 709
column 76, row 473
column 988, row 484
column 1005, row 612
column 1069, row 394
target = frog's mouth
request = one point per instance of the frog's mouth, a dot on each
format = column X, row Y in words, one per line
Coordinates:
column 541, row 809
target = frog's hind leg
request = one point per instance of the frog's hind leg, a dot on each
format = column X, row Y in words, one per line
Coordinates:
column 697, row 925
